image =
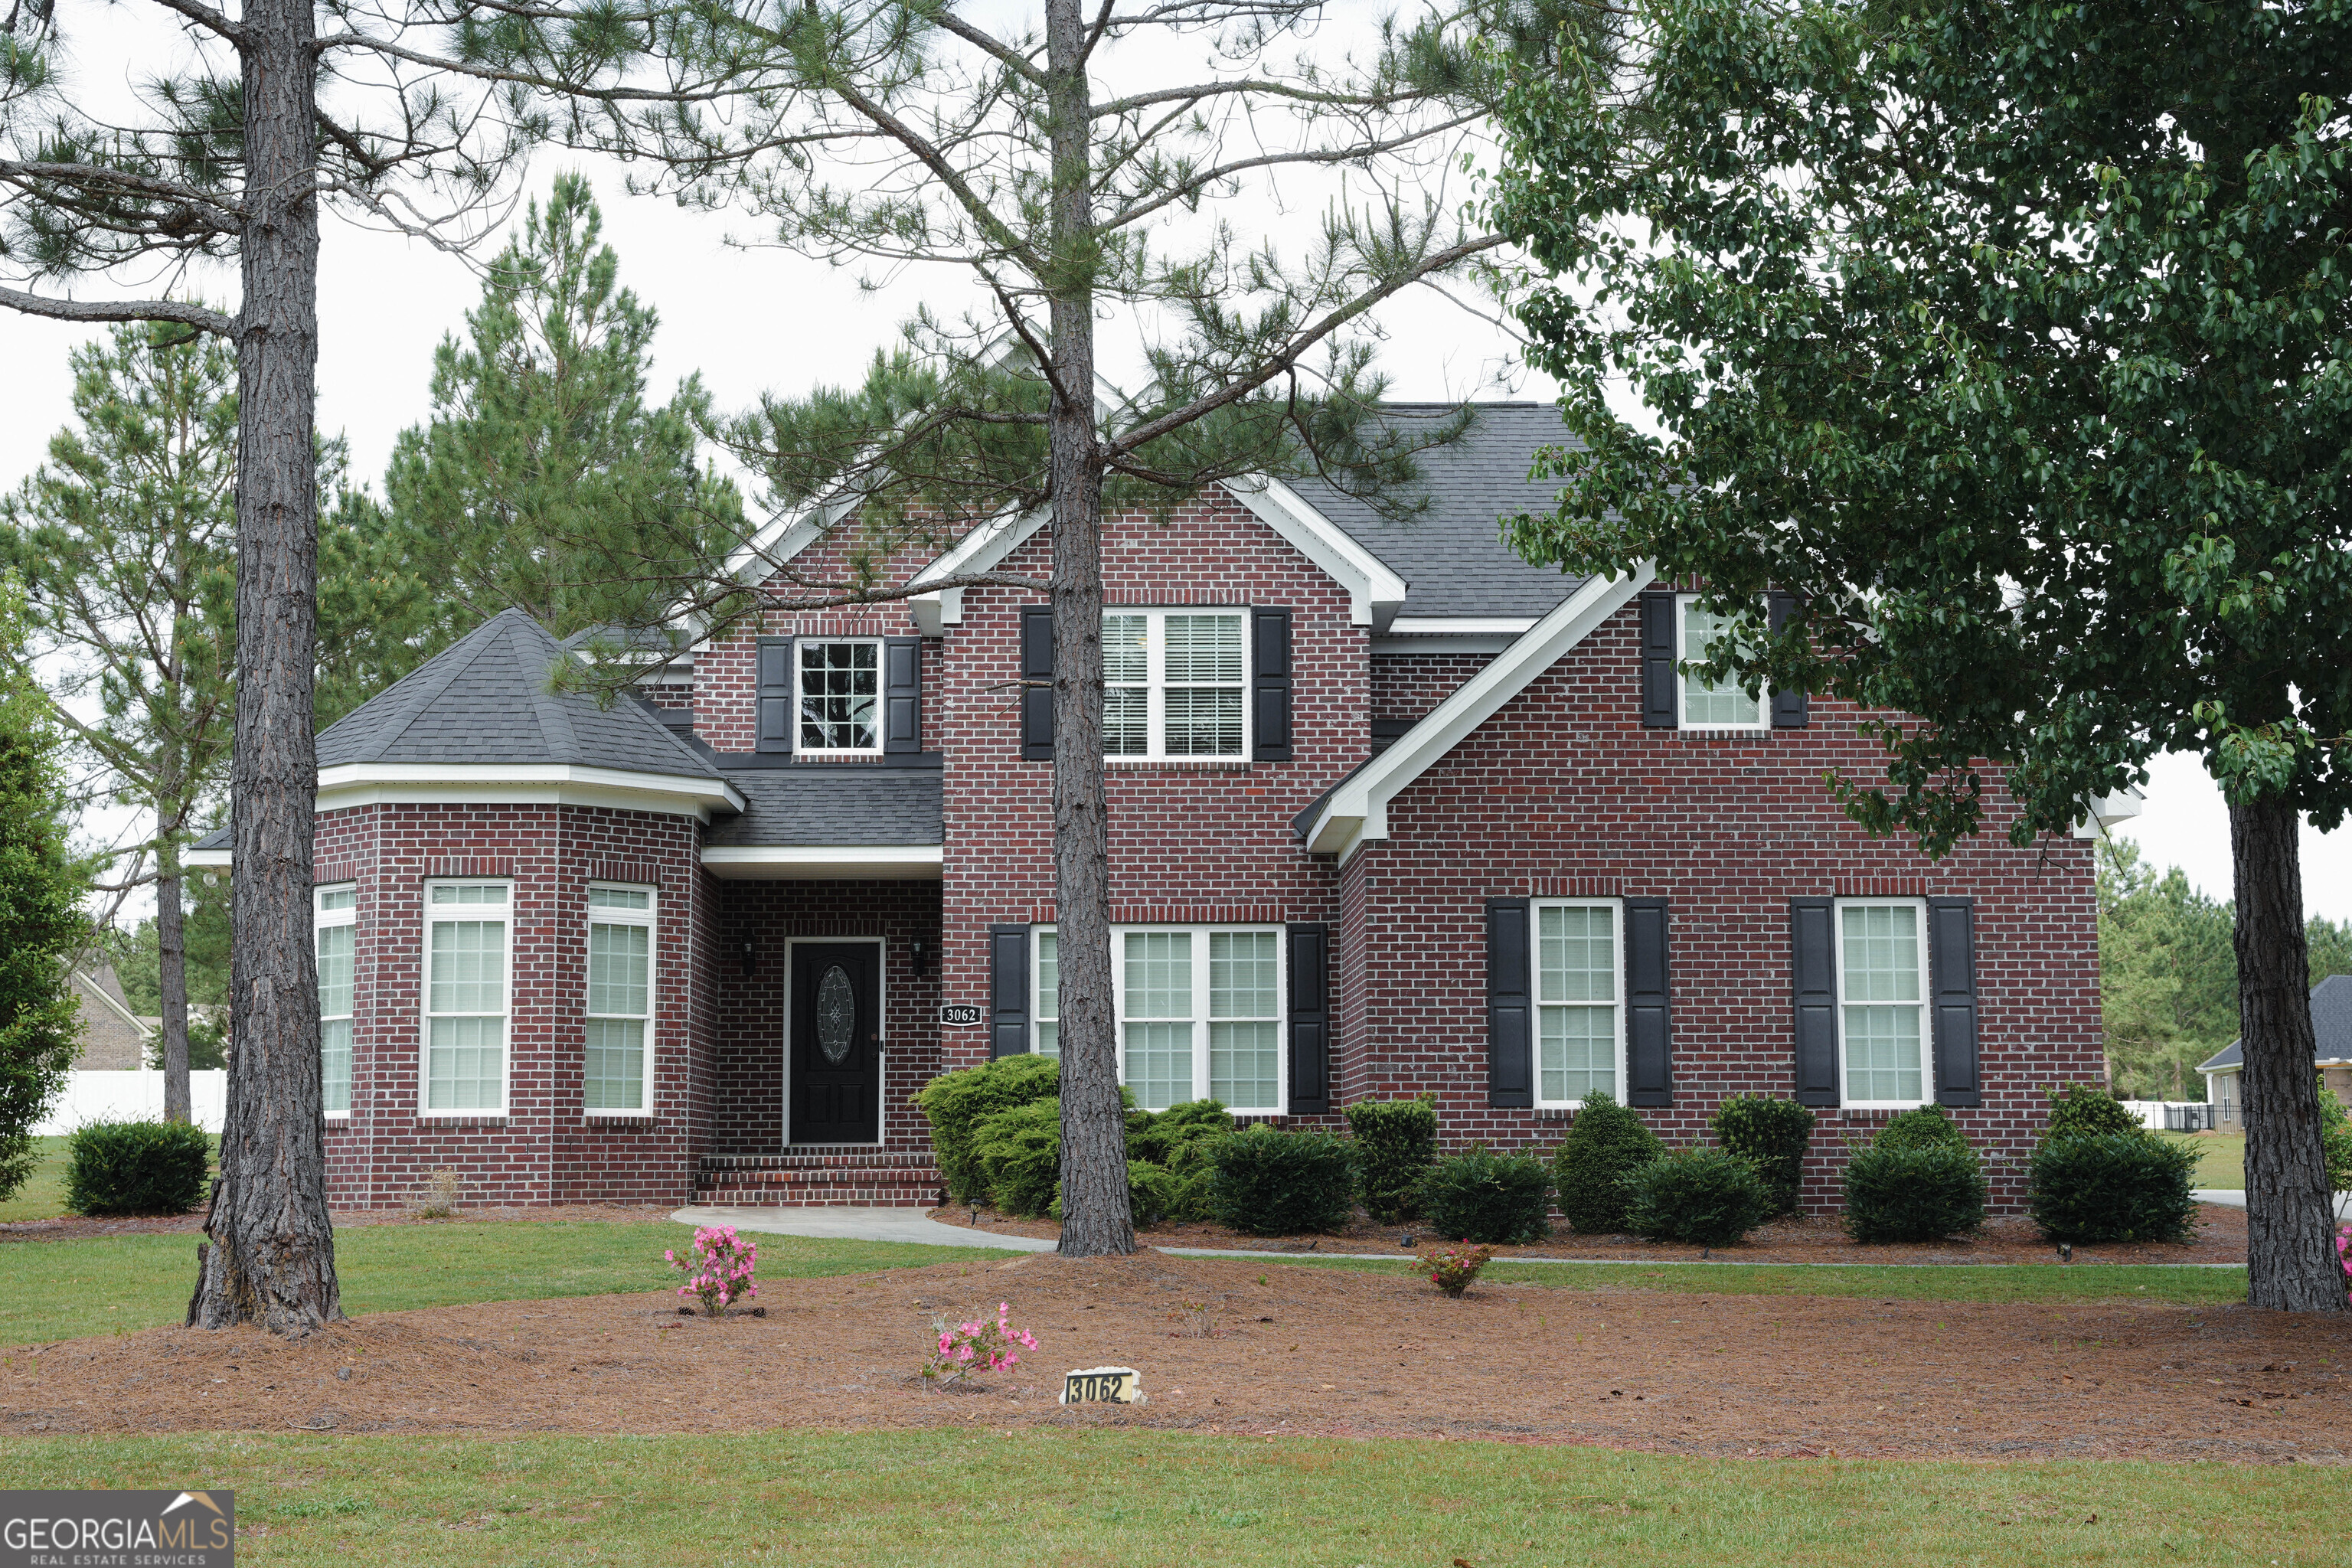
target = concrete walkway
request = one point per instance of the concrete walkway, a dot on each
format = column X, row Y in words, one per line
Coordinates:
column 2235, row 1198
column 842, row 1222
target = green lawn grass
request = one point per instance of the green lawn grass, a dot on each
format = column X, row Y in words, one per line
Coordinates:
column 1955, row 1282
column 43, row 1195
column 2220, row 1157
column 59, row 1289
column 1111, row 1497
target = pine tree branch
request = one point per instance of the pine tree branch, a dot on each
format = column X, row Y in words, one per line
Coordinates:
column 186, row 315
column 206, row 18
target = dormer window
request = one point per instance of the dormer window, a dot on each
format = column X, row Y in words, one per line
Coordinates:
column 1705, row 704
column 840, row 695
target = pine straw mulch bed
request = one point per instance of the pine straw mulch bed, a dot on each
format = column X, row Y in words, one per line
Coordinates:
column 74, row 1228
column 1290, row 1351
column 1809, row 1239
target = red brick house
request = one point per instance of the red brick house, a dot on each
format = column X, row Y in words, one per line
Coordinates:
column 1392, row 813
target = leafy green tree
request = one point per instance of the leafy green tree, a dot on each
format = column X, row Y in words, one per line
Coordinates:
column 42, row 885
column 2011, row 339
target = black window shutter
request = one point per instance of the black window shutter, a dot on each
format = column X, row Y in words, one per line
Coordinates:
column 1270, row 685
column 1310, row 1019
column 1649, row 1004
column 902, row 694
column 1788, row 708
column 776, row 701
column 1659, row 682
column 1510, row 1021
column 1812, row 967
column 1008, row 991
column 1036, row 701
column 1952, row 976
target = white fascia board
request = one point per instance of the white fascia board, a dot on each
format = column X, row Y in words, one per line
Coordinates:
column 1375, row 592
column 2107, row 811
column 1459, row 626
column 1357, row 810
column 89, row 984
column 982, row 548
column 784, row 536
column 535, row 784
column 205, row 860
column 821, row 862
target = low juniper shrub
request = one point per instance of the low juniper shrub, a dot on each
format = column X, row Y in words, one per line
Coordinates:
column 2081, row 1109
column 1395, row 1143
column 1149, row 1193
column 1479, row 1196
column 1177, row 1140
column 955, row 1103
column 1703, row 1197
column 2112, row 1186
column 137, row 1167
column 1604, row 1142
column 1019, row 1150
column 1771, row 1135
column 1913, row 1191
column 1267, row 1183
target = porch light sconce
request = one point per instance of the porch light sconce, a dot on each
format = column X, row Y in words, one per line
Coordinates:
column 749, row 956
column 922, row 953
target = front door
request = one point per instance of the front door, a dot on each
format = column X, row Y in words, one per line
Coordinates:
column 836, row 1052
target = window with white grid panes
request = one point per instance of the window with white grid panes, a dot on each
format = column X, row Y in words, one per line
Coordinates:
column 1174, row 684
column 616, row 1074
column 1708, row 705
column 1199, row 1011
column 334, row 924
column 1881, row 952
column 465, row 997
column 840, row 695
column 1580, row 1012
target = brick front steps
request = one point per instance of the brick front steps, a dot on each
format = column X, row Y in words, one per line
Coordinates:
column 805, row 1177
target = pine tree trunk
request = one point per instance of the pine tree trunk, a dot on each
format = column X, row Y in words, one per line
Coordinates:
column 271, row 1258
column 171, row 983
column 2290, row 1212
column 1095, row 1219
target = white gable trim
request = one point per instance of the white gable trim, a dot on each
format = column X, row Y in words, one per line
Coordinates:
column 90, row 987
column 1375, row 594
column 1357, row 810
column 982, row 548
column 784, row 536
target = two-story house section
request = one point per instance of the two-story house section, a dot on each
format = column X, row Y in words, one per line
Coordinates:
column 1392, row 813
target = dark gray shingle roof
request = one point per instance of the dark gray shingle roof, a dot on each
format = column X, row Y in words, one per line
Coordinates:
column 2331, row 1023
column 1451, row 554
column 830, row 805
column 216, row 839
column 485, row 701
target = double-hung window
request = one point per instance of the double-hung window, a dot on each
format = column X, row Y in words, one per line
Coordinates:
column 616, row 1067
column 1049, row 996
column 334, row 922
column 1708, row 705
column 840, row 686
column 465, row 997
column 1174, row 684
column 1882, row 967
column 1579, row 1007
column 1199, row 1014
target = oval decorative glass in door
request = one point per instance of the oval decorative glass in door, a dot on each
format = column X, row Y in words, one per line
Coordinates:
column 836, row 1013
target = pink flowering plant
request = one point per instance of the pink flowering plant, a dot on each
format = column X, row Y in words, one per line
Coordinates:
column 2344, row 1254
column 1451, row 1268
column 718, row 1269
column 961, row 1350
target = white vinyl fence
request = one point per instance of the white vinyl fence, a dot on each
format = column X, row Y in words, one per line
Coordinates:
column 136, row 1096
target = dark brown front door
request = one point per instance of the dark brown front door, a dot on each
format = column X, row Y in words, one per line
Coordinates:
column 836, row 1043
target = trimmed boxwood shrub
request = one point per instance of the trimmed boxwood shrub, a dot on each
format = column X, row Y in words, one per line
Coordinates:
column 1501, row 1199
column 2335, row 1139
column 137, row 1167
column 1929, row 1127
column 955, row 1103
column 1020, row 1155
column 2083, row 1109
column 1604, row 1142
column 2112, row 1187
column 1771, row 1135
column 1396, row 1143
column 1266, row 1183
column 1913, row 1191
column 1706, row 1197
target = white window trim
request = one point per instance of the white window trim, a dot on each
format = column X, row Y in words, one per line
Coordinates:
column 647, row 918
column 1616, row 908
column 881, row 701
column 1681, row 690
column 424, row 1007
column 1927, row 1020
column 1155, row 723
column 323, row 919
column 1201, row 1019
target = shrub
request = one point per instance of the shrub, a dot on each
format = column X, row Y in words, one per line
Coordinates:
column 1396, row 1143
column 1706, row 1197
column 1267, row 1183
column 2083, row 1109
column 1604, row 1142
column 1451, row 1268
column 1771, row 1135
column 719, row 1270
column 955, row 1103
column 962, row 1349
column 1484, row 1197
column 1149, row 1194
column 1156, row 1138
column 1192, row 1171
column 1929, row 1127
column 1020, row 1155
column 2335, row 1139
column 1913, row 1192
column 137, row 1167
column 2112, row 1186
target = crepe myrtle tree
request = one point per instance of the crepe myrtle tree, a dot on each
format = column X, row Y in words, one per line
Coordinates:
column 2012, row 339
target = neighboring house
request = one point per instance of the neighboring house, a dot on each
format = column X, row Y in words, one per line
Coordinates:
column 1392, row 813
column 113, row 1037
column 2331, row 1024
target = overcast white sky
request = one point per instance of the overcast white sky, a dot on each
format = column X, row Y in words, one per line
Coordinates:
column 757, row 320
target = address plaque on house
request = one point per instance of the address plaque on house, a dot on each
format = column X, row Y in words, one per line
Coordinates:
column 961, row 1012
column 1103, row 1385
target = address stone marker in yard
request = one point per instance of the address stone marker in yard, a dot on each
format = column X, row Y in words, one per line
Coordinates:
column 1103, row 1385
